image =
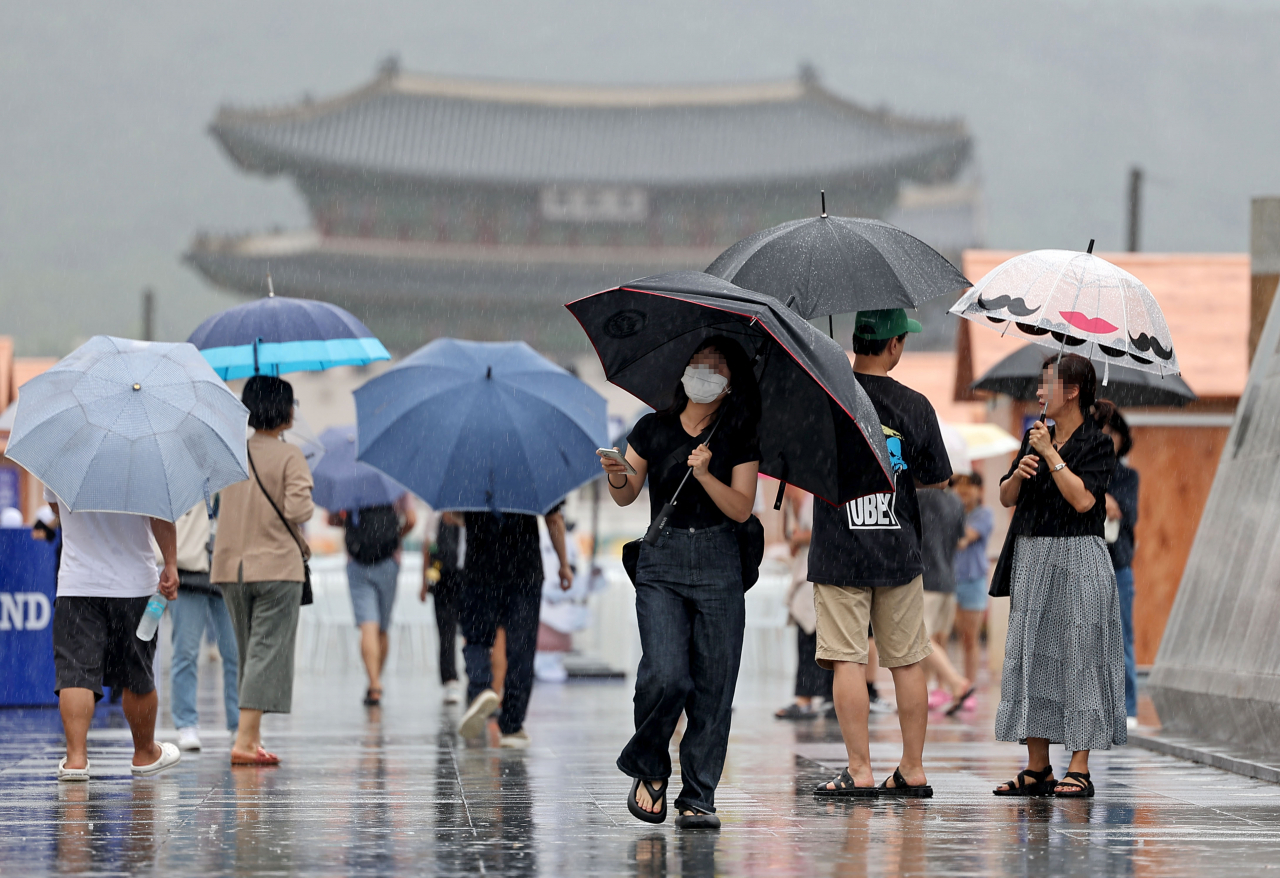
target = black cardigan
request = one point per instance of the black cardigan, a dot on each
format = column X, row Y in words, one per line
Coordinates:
column 1042, row 511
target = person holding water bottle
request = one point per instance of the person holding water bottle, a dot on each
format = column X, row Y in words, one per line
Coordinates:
column 109, row 594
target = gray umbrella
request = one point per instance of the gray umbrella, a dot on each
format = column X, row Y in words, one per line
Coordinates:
column 837, row 264
column 1018, row 375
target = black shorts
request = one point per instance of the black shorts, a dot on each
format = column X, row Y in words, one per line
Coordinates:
column 95, row 643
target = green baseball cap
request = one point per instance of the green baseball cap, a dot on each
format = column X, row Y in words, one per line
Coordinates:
column 885, row 323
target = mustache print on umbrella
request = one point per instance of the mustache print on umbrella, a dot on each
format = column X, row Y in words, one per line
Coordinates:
column 1016, row 307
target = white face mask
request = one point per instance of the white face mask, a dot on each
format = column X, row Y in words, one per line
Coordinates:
column 703, row 384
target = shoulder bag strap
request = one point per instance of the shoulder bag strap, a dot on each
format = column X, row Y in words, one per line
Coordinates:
column 283, row 520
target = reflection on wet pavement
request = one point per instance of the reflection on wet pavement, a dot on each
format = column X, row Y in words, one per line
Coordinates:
column 391, row 791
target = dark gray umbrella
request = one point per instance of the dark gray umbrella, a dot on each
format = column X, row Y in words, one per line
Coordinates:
column 1018, row 375
column 838, row 264
column 818, row 429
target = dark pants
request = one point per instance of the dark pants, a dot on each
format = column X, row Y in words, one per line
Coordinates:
column 447, row 592
column 812, row 681
column 483, row 606
column 1124, row 584
column 690, row 606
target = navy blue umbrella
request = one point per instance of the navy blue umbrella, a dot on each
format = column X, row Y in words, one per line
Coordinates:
column 470, row 425
column 277, row 334
column 342, row 482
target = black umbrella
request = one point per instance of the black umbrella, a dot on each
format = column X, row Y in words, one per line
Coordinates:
column 1018, row 375
column 818, row 429
column 837, row 264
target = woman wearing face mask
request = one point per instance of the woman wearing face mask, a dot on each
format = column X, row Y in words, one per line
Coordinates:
column 689, row 596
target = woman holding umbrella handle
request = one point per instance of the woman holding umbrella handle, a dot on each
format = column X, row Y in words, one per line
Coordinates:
column 1063, row 679
column 689, row 594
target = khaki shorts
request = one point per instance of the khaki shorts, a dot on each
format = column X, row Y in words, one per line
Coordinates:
column 895, row 613
column 939, row 613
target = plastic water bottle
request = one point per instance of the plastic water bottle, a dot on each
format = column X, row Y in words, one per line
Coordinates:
column 151, row 618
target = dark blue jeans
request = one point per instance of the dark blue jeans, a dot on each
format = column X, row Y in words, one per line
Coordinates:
column 483, row 605
column 1124, row 582
column 690, row 607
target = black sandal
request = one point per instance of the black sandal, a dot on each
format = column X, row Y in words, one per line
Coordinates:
column 371, row 700
column 844, row 788
column 1081, row 789
column 958, row 704
column 699, row 819
column 655, row 794
column 902, row 788
column 1041, row 784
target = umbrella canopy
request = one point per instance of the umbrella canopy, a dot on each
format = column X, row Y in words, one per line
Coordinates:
column 987, row 440
column 342, row 482
column 818, row 428
column 301, row 435
column 469, row 425
column 837, row 264
column 1084, row 303
column 1018, row 375
column 278, row 334
column 131, row 426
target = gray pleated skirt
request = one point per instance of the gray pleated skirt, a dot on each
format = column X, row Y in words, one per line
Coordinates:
column 1064, row 657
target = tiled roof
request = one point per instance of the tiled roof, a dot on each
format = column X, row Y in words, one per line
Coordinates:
column 443, row 129
column 1205, row 300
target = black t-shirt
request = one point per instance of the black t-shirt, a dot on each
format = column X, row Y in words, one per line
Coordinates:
column 661, row 440
column 1042, row 511
column 875, row 540
column 503, row 546
column 942, row 520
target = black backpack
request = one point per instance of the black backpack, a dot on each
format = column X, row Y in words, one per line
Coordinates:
column 373, row 534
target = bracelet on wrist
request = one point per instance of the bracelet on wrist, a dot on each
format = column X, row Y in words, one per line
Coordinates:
column 609, row 479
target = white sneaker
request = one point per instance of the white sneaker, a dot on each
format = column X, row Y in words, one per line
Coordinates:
column 473, row 721
column 189, row 738
column 879, row 705
column 453, row 692
column 1131, row 723
column 548, row 667
column 515, row 741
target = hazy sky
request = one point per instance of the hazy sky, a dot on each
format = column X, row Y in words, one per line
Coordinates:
column 106, row 170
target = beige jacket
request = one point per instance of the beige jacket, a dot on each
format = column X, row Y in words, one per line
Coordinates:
column 250, row 533
column 193, row 541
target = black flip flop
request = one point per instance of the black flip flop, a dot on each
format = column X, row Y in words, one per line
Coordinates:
column 697, row 820
column 959, row 702
column 654, row 795
column 1029, row 784
column 1085, row 791
column 905, row 790
column 844, row 788
column 371, row 700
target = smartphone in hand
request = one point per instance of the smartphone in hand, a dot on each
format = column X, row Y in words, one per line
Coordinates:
column 615, row 454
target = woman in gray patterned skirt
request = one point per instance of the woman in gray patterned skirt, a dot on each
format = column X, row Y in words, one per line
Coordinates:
column 1063, row 676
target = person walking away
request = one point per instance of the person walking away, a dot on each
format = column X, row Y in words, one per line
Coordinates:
column 866, row 565
column 107, row 576
column 1063, row 679
column 259, row 562
column 813, row 683
column 971, row 570
column 689, row 596
column 503, row 586
column 562, row 613
column 200, row 606
column 372, row 536
column 941, row 529
column 1122, row 515
column 442, row 574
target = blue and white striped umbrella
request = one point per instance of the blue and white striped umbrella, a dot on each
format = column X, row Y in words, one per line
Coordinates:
column 130, row 426
column 279, row 334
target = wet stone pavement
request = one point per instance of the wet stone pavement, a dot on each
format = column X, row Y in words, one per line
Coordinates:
column 392, row 791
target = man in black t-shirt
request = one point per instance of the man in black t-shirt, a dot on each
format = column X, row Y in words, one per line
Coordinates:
column 865, row 562
column 502, row 586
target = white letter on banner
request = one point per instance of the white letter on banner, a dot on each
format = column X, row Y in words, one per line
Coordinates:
column 38, row 611
column 10, row 611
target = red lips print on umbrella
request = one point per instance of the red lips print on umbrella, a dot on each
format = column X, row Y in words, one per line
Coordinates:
column 1075, row 301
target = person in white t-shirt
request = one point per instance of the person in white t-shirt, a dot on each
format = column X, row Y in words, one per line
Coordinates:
column 108, row 574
